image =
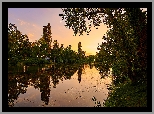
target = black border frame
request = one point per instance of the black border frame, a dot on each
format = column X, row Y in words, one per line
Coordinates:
column 6, row 5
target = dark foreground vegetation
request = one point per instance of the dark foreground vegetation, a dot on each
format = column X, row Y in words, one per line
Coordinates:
column 124, row 50
column 127, row 95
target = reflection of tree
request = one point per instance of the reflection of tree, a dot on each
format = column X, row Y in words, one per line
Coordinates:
column 54, row 75
column 103, row 71
column 60, row 72
column 39, row 78
column 44, row 88
column 18, row 81
column 68, row 71
column 91, row 65
column 16, row 84
column 13, row 91
column 80, row 73
column 55, row 80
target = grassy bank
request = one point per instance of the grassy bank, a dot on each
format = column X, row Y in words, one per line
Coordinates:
column 127, row 95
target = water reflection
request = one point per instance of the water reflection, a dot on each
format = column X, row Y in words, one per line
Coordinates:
column 47, row 78
column 80, row 72
column 91, row 66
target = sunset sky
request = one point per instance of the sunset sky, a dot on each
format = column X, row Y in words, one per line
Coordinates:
column 30, row 21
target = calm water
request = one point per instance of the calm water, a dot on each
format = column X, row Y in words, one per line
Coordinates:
column 56, row 86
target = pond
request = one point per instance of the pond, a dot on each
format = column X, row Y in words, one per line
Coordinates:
column 56, row 86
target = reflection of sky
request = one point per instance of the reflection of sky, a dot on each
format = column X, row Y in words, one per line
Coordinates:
column 69, row 92
column 30, row 98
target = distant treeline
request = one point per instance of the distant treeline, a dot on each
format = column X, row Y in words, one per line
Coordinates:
column 23, row 52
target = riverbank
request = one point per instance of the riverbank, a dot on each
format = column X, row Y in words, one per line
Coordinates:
column 127, row 95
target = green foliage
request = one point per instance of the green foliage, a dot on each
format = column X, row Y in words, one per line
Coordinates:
column 127, row 95
column 13, row 61
column 90, row 59
column 18, row 45
column 75, row 18
column 35, row 61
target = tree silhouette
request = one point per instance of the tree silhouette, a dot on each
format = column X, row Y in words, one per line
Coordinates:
column 80, row 72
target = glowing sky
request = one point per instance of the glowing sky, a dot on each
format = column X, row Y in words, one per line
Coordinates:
column 30, row 21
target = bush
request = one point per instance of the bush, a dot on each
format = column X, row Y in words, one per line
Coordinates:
column 127, row 95
column 13, row 61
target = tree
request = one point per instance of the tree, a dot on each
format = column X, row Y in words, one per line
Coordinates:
column 90, row 59
column 18, row 45
column 125, row 49
column 47, row 37
column 55, row 51
column 81, row 54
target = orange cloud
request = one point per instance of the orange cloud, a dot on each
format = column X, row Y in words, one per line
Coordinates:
column 31, row 29
column 31, row 36
column 23, row 22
